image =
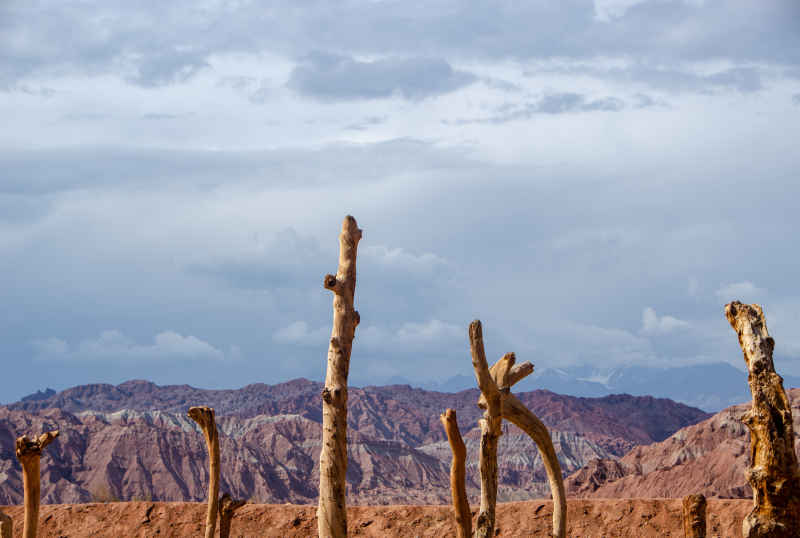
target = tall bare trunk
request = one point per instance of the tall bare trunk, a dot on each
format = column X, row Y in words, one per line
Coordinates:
column 495, row 385
column 29, row 453
column 694, row 516
column 204, row 416
column 458, row 489
column 332, row 509
column 773, row 472
column 227, row 506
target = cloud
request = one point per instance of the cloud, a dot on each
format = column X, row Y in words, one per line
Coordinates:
column 744, row 291
column 549, row 104
column 366, row 123
column 340, row 78
column 653, row 324
column 115, row 346
column 401, row 261
column 796, row 99
column 299, row 333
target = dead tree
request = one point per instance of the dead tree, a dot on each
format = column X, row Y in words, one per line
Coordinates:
column 29, row 453
column 497, row 402
column 332, row 509
column 458, row 488
column 773, row 472
column 204, row 416
column 694, row 516
column 6, row 526
column 227, row 506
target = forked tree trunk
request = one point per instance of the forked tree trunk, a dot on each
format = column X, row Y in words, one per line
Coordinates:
column 6, row 526
column 227, row 506
column 495, row 384
column 29, row 453
column 204, row 416
column 332, row 509
column 458, row 489
column 773, row 472
column 694, row 516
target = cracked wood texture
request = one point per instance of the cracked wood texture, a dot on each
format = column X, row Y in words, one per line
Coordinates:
column 773, row 472
column 331, row 511
column 6, row 526
column 458, row 489
column 227, row 506
column 205, row 418
column 495, row 385
column 29, row 453
column 694, row 516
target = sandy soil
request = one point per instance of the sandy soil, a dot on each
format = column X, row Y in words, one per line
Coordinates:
column 586, row 518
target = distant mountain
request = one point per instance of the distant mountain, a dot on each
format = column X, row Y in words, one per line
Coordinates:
column 710, row 387
column 134, row 441
column 709, row 458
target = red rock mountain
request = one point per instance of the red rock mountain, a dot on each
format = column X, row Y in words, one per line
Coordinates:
column 709, row 458
column 134, row 441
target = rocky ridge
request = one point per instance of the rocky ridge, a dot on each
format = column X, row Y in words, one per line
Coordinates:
column 134, row 441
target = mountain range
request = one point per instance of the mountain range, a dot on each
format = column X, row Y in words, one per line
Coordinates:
column 134, row 441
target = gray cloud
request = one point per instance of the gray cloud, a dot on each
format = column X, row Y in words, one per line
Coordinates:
column 551, row 104
column 334, row 77
column 796, row 98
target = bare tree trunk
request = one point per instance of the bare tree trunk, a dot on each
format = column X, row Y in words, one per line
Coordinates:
column 458, row 489
column 332, row 509
column 29, row 454
column 6, row 526
column 491, row 430
column 773, row 472
column 495, row 384
column 204, row 416
column 227, row 506
column 694, row 516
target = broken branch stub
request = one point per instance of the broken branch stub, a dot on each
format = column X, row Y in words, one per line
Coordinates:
column 205, row 418
column 773, row 472
column 332, row 509
column 29, row 453
column 458, row 489
column 694, row 516
column 227, row 506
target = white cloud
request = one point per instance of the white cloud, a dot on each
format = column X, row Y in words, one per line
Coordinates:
column 114, row 345
column 300, row 333
column 400, row 259
column 744, row 291
column 653, row 324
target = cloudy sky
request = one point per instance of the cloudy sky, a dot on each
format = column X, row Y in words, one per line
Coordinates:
column 593, row 180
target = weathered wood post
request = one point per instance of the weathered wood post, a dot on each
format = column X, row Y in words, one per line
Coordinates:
column 773, row 472
column 205, row 418
column 332, row 508
column 227, row 506
column 29, row 453
column 6, row 526
column 694, row 516
column 495, row 384
column 458, row 489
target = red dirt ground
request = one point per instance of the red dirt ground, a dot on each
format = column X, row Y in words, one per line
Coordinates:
column 586, row 518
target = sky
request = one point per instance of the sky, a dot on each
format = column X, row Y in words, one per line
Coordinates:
column 592, row 180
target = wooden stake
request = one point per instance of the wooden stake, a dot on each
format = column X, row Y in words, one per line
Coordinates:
column 204, row 416
column 694, row 516
column 458, row 489
column 6, row 526
column 773, row 472
column 332, row 509
column 227, row 506
column 495, row 384
column 29, row 453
